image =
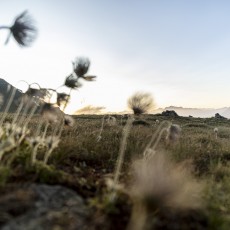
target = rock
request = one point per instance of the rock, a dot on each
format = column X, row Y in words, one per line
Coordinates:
column 170, row 113
column 218, row 116
column 43, row 207
column 6, row 90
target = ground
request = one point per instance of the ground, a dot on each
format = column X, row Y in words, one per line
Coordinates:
column 82, row 169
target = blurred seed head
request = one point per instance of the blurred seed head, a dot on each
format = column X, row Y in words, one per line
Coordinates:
column 23, row 30
column 81, row 66
column 49, row 112
column 72, row 82
column 141, row 103
column 159, row 183
column 69, row 121
column 34, row 141
column 33, row 92
column 52, row 142
column 174, row 132
column 111, row 186
column 216, row 130
column 7, row 146
column 112, row 121
column 20, row 133
column 9, row 128
column 62, row 98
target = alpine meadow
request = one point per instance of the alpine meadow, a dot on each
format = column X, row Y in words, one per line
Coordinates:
column 103, row 170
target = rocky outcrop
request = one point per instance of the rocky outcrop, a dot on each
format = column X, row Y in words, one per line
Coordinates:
column 6, row 91
column 170, row 113
column 218, row 116
column 43, row 207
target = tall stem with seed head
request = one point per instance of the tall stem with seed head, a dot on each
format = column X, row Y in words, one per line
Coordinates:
column 154, row 136
column 121, row 154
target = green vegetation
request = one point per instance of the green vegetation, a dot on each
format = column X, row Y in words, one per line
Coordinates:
column 195, row 164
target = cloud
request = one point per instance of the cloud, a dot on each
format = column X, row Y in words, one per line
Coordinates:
column 90, row 109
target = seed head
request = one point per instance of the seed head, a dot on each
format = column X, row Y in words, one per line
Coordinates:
column 52, row 142
column 173, row 133
column 111, row 120
column 159, row 182
column 72, row 82
column 49, row 112
column 20, row 133
column 141, row 103
column 215, row 130
column 81, row 66
column 62, row 98
column 69, row 121
column 23, row 30
column 34, row 141
column 33, row 92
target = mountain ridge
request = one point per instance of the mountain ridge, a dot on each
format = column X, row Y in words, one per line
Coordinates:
column 196, row 112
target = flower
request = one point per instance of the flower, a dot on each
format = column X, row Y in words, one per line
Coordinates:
column 23, row 30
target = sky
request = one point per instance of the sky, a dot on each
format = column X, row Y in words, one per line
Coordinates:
column 179, row 51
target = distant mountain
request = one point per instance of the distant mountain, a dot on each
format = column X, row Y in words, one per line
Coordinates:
column 6, row 90
column 196, row 112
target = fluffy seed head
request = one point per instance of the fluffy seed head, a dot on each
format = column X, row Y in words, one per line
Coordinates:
column 33, row 141
column 52, row 142
column 173, row 133
column 81, row 66
column 72, row 82
column 160, row 183
column 23, row 30
column 69, row 121
column 49, row 112
column 141, row 103
column 62, row 98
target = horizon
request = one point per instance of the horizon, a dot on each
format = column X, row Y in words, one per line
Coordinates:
column 89, row 109
column 178, row 52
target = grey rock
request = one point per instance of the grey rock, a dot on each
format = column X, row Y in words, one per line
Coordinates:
column 43, row 207
column 170, row 113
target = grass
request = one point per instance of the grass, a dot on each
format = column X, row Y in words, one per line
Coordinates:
column 84, row 164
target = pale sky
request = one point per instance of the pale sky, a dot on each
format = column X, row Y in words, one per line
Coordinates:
column 177, row 50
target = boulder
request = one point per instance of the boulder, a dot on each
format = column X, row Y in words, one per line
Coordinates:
column 43, row 207
column 170, row 113
column 218, row 116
